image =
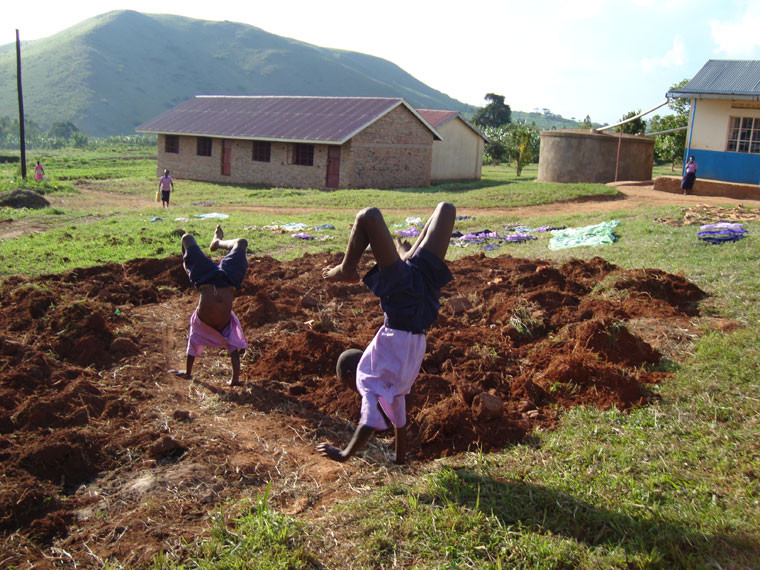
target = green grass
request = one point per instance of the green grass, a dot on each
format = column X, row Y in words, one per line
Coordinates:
column 97, row 164
column 260, row 538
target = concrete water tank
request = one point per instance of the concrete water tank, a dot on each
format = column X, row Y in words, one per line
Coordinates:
column 590, row 156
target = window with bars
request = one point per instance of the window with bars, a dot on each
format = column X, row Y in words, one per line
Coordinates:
column 303, row 154
column 744, row 135
column 171, row 144
column 262, row 151
column 203, row 147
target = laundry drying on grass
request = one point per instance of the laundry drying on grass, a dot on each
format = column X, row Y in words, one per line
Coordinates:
column 598, row 234
column 721, row 232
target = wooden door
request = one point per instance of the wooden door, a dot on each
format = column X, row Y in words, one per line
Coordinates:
column 226, row 157
column 333, row 166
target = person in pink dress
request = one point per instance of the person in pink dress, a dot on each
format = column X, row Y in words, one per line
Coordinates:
column 213, row 323
column 39, row 172
column 687, row 183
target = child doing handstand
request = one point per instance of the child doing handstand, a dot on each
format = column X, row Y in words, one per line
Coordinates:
column 213, row 323
column 408, row 282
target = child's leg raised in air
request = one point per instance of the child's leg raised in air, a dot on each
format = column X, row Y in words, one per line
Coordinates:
column 436, row 234
column 369, row 229
column 218, row 241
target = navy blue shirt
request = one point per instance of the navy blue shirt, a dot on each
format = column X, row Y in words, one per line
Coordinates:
column 409, row 290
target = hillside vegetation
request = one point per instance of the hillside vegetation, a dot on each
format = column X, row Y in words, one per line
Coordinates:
column 113, row 72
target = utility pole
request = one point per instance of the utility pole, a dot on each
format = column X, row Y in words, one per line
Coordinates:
column 21, row 137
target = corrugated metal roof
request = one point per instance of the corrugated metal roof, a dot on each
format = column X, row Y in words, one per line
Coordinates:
column 724, row 77
column 437, row 118
column 291, row 119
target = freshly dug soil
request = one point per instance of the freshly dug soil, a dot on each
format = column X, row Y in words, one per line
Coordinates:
column 105, row 454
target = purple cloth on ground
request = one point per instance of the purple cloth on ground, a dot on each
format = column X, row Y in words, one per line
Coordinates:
column 485, row 234
column 723, row 226
column 722, row 232
column 411, row 232
column 302, row 236
column 518, row 237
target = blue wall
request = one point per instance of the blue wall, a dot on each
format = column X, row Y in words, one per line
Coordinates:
column 727, row 166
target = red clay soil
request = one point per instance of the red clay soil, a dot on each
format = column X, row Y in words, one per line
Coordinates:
column 106, row 455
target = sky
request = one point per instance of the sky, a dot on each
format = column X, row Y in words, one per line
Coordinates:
column 596, row 58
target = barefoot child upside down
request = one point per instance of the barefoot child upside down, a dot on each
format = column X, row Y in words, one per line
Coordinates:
column 408, row 282
column 213, row 323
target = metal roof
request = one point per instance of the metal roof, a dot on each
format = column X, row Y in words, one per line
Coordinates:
column 290, row 119
column 724, row 78
column 438, row 118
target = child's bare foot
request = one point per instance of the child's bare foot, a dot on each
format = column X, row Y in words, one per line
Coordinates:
column 181, row 374
column 218, row 236
column 234, row 382
column 339, row 273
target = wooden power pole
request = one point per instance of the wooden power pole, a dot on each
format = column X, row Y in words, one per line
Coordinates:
column 21, row 137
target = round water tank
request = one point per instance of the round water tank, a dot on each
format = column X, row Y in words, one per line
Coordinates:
column 591, row 156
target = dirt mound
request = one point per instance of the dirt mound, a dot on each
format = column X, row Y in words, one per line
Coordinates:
column 20, row 198
column 85, row 401
column 533, row 335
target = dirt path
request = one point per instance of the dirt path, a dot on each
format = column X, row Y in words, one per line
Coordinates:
column 632, row 196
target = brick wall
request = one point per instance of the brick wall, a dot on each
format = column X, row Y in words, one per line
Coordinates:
column 243, row 169
column 395, row 151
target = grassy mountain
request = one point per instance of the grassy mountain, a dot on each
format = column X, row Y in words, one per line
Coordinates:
column 112, row 72
column 545, row 121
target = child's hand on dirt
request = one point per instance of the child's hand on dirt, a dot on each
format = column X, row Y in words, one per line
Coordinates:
column 331, row 452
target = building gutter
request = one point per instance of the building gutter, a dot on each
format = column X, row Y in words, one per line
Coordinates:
column 691, row 132
column 733, row 96
column 633, row 118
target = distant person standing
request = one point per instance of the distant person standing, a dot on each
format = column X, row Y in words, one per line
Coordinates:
column 689, row 176
column 39, row 172
column 165, row 185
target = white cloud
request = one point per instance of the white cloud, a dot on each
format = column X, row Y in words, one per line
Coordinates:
column 739, row 38
column 672, row 58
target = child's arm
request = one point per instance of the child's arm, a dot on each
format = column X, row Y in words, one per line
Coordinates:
column 357, row 443
column 235, row 357
column 188, row 371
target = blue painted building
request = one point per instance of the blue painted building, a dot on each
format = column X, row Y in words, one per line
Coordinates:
column 724, row 126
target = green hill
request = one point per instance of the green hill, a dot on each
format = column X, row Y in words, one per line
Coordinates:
column 545, row 121
column 111, row 73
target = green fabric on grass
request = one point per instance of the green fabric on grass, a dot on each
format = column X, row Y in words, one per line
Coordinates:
column 598, row 234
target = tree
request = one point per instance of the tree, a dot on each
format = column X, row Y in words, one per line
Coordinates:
column 63, row 130
column 586, row 124
column 80, row 139
column 526, row 139
column 495, row 114
column 668, row 147
column 680, row 106
column 671, row 146
column 518, row 142
column 634, row 127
